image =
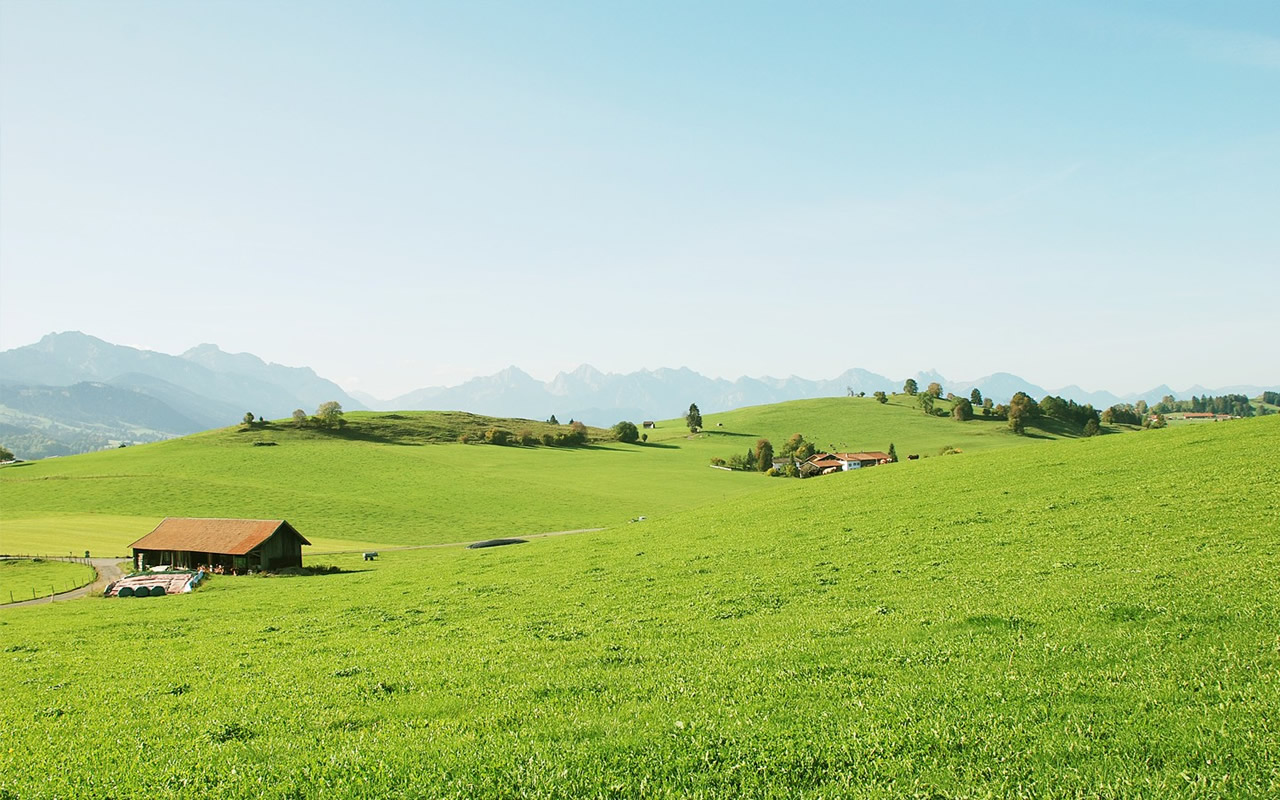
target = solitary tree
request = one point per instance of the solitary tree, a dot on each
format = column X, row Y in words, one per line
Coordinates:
column 1091, row 428
column 975, row 397
column 962, row 410
column 935, row 389
column 926, row 403
column 881, row 397
column 764, row 455
column 553, row 420
column 248, row 418
column 626, row 432
column 6, row 454
column 694, row 418
column 893, row 454
column 910, row 387
column 330, row 414
column 299, row 417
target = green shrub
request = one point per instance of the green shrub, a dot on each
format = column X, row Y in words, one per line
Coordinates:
column 626, row 432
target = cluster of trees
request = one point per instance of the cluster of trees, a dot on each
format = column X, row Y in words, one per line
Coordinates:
column 756, row 459
column 1236, row 405
column 5, row 454
column 1139, row 413
column 797, row 448
column 1123, row 414
column 1068, row 411
column 328, row 415
column 575, row 436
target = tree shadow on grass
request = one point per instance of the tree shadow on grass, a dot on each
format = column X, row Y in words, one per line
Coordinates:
column 633, row 447
column 362, row 435
column 310, row 572
column 1053, row 427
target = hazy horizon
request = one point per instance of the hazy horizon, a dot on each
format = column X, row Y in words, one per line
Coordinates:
column 411, row 195
column 898, row 376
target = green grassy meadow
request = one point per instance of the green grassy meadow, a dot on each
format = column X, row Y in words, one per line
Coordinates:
column 25, row 579
column 401, row 479
column 1094, row 618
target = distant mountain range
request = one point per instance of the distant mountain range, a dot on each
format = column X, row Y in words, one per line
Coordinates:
column 72, row 393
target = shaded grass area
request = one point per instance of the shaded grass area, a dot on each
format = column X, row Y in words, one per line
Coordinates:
column 1073, row 619
column 25, row 579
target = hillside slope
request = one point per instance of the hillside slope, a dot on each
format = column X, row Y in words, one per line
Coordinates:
column 402, row 478
column 1088, row 618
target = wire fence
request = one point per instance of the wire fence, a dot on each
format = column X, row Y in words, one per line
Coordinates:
column 37, row 592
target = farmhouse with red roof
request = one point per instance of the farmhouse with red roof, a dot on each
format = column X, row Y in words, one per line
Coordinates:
column 234, row 544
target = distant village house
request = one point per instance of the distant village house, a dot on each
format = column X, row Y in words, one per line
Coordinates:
column 827, row 463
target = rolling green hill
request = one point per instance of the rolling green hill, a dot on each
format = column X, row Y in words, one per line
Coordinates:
column 402, row 479
column 1079, row 618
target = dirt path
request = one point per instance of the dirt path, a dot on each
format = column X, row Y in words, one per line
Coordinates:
column 452, row 544
column 108, row 571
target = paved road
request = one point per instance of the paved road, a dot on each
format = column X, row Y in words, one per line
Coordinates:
column 108, row 571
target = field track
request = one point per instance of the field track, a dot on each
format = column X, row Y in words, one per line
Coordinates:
column 458, row 544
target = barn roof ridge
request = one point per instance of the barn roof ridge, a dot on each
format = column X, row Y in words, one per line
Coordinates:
column 227, row 535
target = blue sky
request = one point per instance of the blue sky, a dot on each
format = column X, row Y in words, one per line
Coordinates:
column 411, row 194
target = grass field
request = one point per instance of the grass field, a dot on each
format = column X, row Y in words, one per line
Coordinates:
column 399, row 479
column 27, row 579
column 1080, row 618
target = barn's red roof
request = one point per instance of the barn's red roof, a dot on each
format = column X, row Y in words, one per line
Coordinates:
column 227, row 536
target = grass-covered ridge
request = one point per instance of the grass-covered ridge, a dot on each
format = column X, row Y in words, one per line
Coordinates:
column 400, row 428
column 1083, row 618
column 402, row 478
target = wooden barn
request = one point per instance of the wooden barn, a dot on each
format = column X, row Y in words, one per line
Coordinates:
column 242, row 545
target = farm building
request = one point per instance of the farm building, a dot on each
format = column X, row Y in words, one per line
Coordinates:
column 857, row 460
column 234, row 544
column 827, row 463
